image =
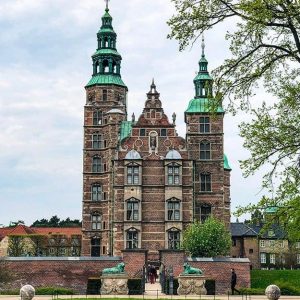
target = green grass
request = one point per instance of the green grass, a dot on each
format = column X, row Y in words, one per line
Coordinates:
column 287, row 280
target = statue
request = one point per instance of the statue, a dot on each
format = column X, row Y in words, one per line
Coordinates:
column 190, row 270
column 119, row 269
column 27, row 292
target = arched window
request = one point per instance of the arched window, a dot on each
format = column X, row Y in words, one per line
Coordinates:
column 205, row 212
column 205, row 152
column 205, row 182
column 132, row 210
column 96, row 191
column 95, row 246
column 174, row 239
column 97, row 117
column 97, row 164
column 132, row 241
column 96, row 221
column 173, row 209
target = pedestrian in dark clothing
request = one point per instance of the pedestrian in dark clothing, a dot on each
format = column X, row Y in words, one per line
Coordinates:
column 152, row 274
column 233, row 282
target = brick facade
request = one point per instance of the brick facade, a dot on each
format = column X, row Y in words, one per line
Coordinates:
column 142, row 183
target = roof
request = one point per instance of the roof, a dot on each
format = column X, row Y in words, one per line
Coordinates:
column 201, row 105
column 133, row 154
column 204, row 76
column 173, row 154
column 271, row 210
column 25, row 230
column 126, row 127
column 106, row 79
column 242, row 229
column 106, row 51
column 226, row 163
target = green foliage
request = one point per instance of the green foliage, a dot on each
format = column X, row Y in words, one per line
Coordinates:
column 210, row 286
column 287, row 280
column 16, row 246
column 135, row 286
column 265, row 52
column 207, row 240
column 257, row 291
column 9, row 292
column 56, row 222
column 53, row 291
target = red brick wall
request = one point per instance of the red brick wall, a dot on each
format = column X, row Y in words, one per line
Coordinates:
column 218, row 269
column 73, row 274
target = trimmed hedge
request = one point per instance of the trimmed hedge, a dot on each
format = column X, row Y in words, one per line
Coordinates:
column 135, row 286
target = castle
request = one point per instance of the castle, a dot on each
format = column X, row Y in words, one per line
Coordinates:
column 142, row 183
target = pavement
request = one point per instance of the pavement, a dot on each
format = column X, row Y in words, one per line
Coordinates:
column 155, row 294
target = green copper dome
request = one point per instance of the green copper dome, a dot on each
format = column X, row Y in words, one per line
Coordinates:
column 201, row 105
column 126, row 127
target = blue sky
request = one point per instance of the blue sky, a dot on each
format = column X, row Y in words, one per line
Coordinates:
column 45, row 63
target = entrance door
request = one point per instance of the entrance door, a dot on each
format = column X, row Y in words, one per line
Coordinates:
column 95, row 247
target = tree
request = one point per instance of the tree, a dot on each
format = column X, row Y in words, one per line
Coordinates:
column 16, row 246
column 207, row 240
column 265, row 51
column 56, row 222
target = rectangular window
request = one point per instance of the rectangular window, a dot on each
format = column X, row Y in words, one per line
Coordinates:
column 104, row 95
column 174, row 240
column 142, row 132
column 250, row 251
column 173, row 175
column 132, row 211
column 204, row 124
column 132, row 175
column 173, row 211
column 97, row 118
column 163, row 132
column 205, row 212
column 97, row 142
column 272, row 258
column 263, row 258
column 205, row 151
column 96, row 222
column 298, row 245
column 96, row 192
column 205, row 182
column 132, row 239
column 298, row 259
column 262, row 244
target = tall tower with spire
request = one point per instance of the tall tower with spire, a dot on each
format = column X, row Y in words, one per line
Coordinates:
column 205, row 144
column 104, row 111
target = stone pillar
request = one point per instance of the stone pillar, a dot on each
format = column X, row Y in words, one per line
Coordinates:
column 114, row 284
column 174, row 258
column 191, row 285
column 135, row 260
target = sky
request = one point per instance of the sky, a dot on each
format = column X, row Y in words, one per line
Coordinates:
column 45, row 62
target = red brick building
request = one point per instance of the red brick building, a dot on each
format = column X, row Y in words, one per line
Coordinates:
column 142, row 183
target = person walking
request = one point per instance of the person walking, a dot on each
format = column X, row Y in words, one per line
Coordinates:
column 233, row 282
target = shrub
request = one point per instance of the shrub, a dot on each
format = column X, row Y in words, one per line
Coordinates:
column 53, row 291
column 252, row 291
column 10, row 292
column 287, row 288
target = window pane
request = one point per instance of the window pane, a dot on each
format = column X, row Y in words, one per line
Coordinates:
column 177, row 215
column 170, row 179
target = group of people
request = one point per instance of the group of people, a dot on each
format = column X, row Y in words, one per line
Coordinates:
column 152, row 274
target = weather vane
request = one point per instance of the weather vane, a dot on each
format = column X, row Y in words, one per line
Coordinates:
column 106, row 3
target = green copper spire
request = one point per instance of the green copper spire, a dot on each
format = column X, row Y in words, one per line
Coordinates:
column 203, row 88
column 106, row 59
column 203, row 81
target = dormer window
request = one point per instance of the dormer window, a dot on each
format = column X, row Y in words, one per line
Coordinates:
column 173, row 174
column 133, row 174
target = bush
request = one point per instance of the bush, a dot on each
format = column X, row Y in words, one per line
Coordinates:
column 287, row 288
column 135, row 286
column 252, row 291
column 10, row 292
column 53, row 291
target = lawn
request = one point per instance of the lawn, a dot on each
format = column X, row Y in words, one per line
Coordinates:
column 263, row 278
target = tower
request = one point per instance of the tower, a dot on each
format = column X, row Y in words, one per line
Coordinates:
column 104, row 111
column 204, row 136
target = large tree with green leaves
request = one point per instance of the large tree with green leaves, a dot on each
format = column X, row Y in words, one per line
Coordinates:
column 207, row 240
column 265, row 52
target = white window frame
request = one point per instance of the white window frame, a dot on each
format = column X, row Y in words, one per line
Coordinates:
column 96, row 220
column 272, row 258
column 204, row 126
column 262, row 244
column 263, row 257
